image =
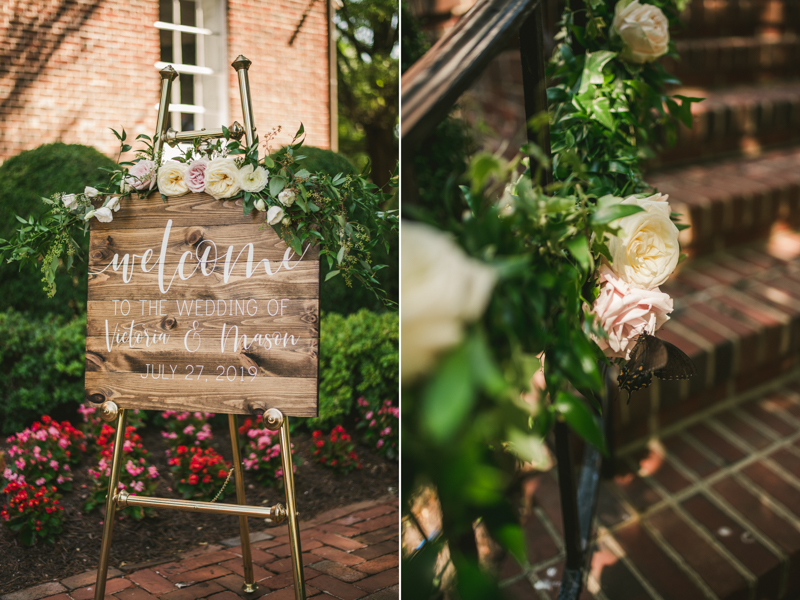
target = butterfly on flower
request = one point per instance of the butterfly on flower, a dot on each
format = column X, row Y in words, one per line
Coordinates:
column 653, row 356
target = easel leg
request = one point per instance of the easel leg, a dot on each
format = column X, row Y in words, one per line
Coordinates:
column 111, row 507
column 274, row 419
column 249, row 585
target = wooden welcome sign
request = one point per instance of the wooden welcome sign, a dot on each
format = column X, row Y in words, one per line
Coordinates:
column 195, row 306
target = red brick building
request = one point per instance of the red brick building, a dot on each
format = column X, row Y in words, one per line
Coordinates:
column 70, row 69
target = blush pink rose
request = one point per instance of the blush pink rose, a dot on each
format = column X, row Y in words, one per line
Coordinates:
column 142, row 175
column 625, row 311
column 195, row 176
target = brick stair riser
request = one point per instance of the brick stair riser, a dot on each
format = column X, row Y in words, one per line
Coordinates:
column 730, row 204
column 717, row 18
column 726, row 130
column 715, row 62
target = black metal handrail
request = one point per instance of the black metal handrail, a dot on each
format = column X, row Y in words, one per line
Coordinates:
column 434, row 83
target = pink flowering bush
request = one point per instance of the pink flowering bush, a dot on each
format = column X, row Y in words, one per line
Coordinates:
column 187, row 428
column 32, row 513
column 261, row 453
column 41, row 454
column 200, row 472
column 381, row 427
column 92, row 425
column 336, row 451
column 136, row 474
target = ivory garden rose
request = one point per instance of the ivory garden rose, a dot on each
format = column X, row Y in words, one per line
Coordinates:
column 646, row 251
column 170, row 179
column 253, row 180
column 222, row 178
column 644, row 30
column 626, row 311
column 442, row 289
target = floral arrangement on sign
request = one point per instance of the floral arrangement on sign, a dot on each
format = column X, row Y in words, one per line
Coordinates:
column 518, row 295
column 341, row 214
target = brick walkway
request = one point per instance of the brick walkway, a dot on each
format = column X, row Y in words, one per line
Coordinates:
column 348, row 553
column 710, row 510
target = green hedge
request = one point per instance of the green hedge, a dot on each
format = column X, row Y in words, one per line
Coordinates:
column 358, row 358
column 41, row 365
column 42, row 362
column 24, row 179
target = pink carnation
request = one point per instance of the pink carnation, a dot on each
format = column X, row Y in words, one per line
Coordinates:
column 625, row 311
column 195, row 176
column 142, row 175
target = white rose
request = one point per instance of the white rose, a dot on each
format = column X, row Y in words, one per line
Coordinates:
column 644, row 31
column 104, row 214
column 70, row 201
column 260, row 205
column 274, row 215
column 646, row 251
column 253, row 180
column 170, row 179
column 286, row 197
column 442, row 289
column 113, row 203
column 222, row 178
column 90, row 192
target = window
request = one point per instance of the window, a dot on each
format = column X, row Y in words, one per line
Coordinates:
column 194, row 42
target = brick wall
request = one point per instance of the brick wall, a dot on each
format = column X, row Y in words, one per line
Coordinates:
column 70, row 69
column 288, row 83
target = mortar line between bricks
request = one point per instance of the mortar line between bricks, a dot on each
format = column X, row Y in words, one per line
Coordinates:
column 701, row 530
column 785, row 416
column 773, row 504
column 545, row 564
column 711, row 479
column 701, row 415
column 679, row 561
column 706, row 346
column 756, row 423
column 550, row 527
column 605, row 536
column 698, row 445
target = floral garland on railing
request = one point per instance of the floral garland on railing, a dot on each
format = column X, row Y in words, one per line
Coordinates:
column 342, row 214
column 516, row 295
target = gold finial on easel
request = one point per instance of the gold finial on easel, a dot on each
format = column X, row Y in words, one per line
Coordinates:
column 168, row 75
column 242, row 64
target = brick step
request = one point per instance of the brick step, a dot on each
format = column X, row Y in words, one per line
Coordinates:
column 720, row 18
column 737, row 315
column 737, row 121
column 709, row 510
column 718, row 61
column 734, row 201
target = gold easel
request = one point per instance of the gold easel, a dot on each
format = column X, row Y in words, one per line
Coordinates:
column 273, row 418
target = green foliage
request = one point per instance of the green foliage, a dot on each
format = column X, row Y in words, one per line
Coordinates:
column 32, row 512
column 464, row 424
column 358, row 358
column 319, row 160
column 607, row 114
column 343, row 215
column 368, row 83
column 42, row 363
column 24, row 180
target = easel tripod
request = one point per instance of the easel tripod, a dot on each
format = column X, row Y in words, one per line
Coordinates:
column 273, row 418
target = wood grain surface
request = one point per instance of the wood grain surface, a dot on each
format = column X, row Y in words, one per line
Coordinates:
column 163, row 350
